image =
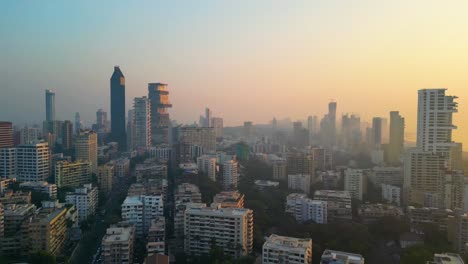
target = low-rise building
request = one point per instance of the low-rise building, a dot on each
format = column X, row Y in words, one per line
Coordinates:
column 262, row 184
column 338, row 257
column 418, row 217
column 12, row 197
column 150, row 170
column 117, row 244
column 391, row 194
column 371, row 212
column 156, row 237
column 305, row 209
column 281, row 249
column 187, row 193
column 48, row 231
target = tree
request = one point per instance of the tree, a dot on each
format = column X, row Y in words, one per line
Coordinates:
column 42, row 257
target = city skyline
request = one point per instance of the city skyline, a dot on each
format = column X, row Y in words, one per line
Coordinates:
column 307, row 53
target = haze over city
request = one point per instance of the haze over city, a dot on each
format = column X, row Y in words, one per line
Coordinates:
column 255, row 59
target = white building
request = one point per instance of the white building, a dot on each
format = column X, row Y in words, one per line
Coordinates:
column 447, row 258
column 230, row 228
column 230, row 175
column 329, row 256
column 139, row 210
column 207, row 165
column 391, row 194
column 299, row 182
column 29, row 135
column 8, row 163
column 435, row 110
column 305, row 209
column 142, row 123
column 281, row 249
column 354, row 183
column 338, row 204
column 43, row 187
column 33, row 162
column 387, row 175
column 161, row 152
column 85, row 200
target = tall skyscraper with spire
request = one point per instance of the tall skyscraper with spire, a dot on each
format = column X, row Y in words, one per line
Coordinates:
column 160, row 121
column 117, row 85
column 50, row 105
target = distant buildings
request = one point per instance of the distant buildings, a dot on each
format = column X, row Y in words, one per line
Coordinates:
column 232, row 199
column 43, row 187
column 117, row 87
column 139, row 210
column 105, row 175
column 6, row 134
column 204, row 225
column 207, row 165
column 217, row 124
column 391, row 194
column 299, row 182
column 50, row 105
column 372, row 212
column 397, row 138
column 33, row 161
column 202, row 136
column 387, row 175
column 280, row 170
column 8, row 163
column 281, row 249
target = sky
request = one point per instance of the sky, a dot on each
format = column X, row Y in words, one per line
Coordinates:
column 246, row 60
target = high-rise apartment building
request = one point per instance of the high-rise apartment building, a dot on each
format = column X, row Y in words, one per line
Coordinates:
column 139, row 210
column 6, row 134
column 48, row 231
column 77, row 123
column 101, row 120
column 201, row 136
column 29, row 134
column 230, row 175
column 33, row 161
column 351, row 131
column 72, row 174
column 232, row 199
column 338, row 204
column 435, row 124
column 354, row 183
column 305, row 209
column 281, row 249
column 312, row 127
column 280, row 171
column 142, row 122
column 8, row 163
column 424, row 177
column 299, row 182
column 86, row 148
column 230, row 228
column 117, row 87
column 50, row 105
column 300, row 163
column 377, row 133
column 160, row 121
column 397, row 137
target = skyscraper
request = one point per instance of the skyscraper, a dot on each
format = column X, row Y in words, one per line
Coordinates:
column 117, row 85
column 142, row 122
column 33, row 161
column 160, row 121
column 435, row 110
column 77, row 123
column 208, row 115
column 217, row 123
column 50, row 105
column 377, row 132
column 397, row 137
column 130, row 128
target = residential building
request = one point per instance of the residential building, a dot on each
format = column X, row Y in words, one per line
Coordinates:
column 158, row 95
column 230, row 228
column 142, row 123
column 14, row 238
column 305, row 209
column 354, row 183
column 122, row 167
column 48, row 231
column 397, row 138
column 387, row 175
column 86, row 148
column 338, row 257
column 117, row 244
column 280, row 170
column 457, row 229
column 338, row 204
column 229, row 199
column 105, row 175
column 369, row 213
column 33, row 162
column 207, row 165
column 6, row 134
column 8, row 163
column 300, row 163
column 72, row 174
column 201, row 136
column 391, row 194
column 12, row 197
column 187, row 193
column 299, row 182
column 217, row 124
column 281, row 249
column 85, row 200
column 230, row 175
column 117, row 106
column 139, row 210
column 43, row 187
column 29, row 135
column 418, row 217
column 156, row 236
column 160, row 152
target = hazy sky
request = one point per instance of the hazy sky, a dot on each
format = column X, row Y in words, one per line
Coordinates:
column 245, row 59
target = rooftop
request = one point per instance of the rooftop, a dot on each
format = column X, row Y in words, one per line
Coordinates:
column 447, row 258
column 218, row 211
column 287, row 243
column 115, row 234
column 132, row 200
column 333, row 193
column 352, row 257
